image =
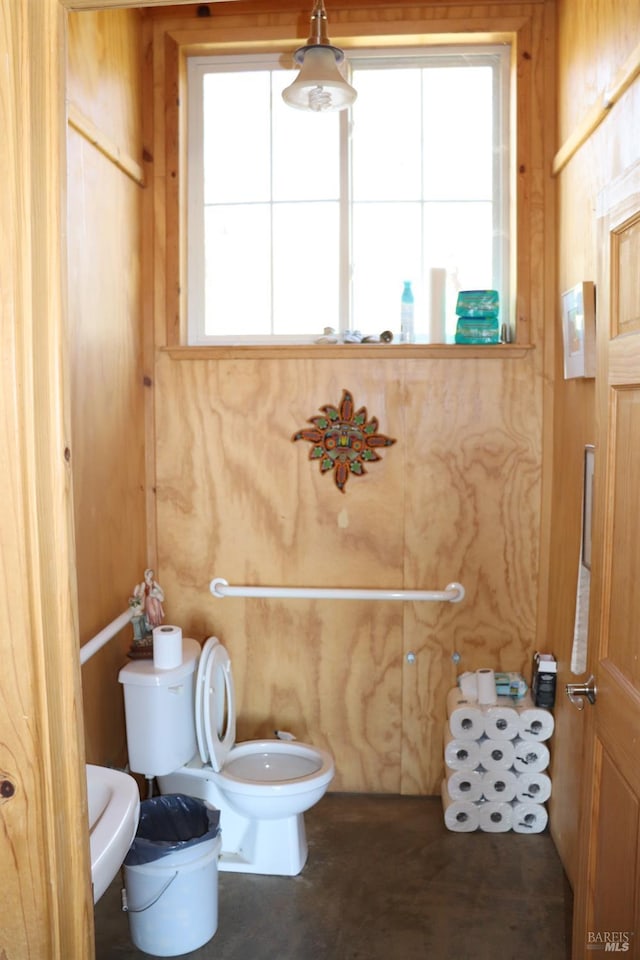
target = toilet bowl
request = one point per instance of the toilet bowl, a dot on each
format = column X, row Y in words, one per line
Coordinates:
column 261, row 787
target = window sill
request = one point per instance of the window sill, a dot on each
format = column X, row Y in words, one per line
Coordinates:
column 387, row 351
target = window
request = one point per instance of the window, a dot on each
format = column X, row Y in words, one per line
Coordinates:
column 297, row 222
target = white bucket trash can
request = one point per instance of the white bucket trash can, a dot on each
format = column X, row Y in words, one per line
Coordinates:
column 171, row 876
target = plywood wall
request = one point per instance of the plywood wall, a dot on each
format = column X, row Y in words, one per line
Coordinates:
column 595, row 38
column 458, row 497
column 105, row 337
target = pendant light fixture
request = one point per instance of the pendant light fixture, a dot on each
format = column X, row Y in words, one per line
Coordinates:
column 320, row 85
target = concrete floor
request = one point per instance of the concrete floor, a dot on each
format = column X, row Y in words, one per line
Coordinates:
column 385, row 880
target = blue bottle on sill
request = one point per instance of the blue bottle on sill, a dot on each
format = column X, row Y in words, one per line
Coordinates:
column 406, row 314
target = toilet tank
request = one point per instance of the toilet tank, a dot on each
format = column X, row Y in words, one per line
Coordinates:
column 159, row 708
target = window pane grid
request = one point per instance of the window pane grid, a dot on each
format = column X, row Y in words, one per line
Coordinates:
column 312, row 224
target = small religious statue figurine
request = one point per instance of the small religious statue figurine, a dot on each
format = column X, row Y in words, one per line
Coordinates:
column 146, row 603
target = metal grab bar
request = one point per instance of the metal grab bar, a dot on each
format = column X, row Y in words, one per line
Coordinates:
column 453, row 593
column 107, row 633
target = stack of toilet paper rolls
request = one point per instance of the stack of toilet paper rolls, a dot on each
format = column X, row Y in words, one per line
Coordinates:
column 495, row 758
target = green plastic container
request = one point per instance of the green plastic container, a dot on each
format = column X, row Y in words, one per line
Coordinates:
column 477, row 330
column 478, row 303
column 477, row 312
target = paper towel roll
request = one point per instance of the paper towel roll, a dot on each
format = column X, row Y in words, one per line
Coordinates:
column 533, row 787
column 437, row 300
column 495, row 816
column 528, row 817
column 460, row 754
column 464, row 784
column 530, row 756
column 497, row 754
column 534, row 723
column 501, row 721
column 486, row 686
column 167, row 647
column 461, row 816
column 465, row 718
column 499, row 785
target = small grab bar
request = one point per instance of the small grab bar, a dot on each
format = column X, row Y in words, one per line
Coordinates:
column 452, row 593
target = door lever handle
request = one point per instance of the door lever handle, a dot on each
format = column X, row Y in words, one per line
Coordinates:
column 578, row 691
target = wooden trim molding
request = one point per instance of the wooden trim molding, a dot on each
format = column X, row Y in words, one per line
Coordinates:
column 47, row 904
column 233, row 26
column 79, row 122
column 79, row 5
column 362, row 351
column 626, row 75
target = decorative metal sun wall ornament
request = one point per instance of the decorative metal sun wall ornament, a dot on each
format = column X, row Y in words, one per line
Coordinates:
column 343, row 441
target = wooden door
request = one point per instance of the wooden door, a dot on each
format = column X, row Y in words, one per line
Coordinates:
column 607, row 903
column 45, row 893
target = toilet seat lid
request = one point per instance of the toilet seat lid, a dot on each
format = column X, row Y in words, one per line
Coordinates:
column 205, row 653
column 215, row 704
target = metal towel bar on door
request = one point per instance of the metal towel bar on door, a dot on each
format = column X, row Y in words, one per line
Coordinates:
column 452, row 593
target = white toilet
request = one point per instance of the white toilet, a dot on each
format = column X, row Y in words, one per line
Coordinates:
column 182, row 733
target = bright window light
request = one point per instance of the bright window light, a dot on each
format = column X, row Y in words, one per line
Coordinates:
column 300, row 221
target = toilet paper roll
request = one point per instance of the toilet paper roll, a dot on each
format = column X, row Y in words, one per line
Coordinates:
column 499, row 785
column 461, row 816
column 465, row 718
column 486, row 686
column 464, row 784
column 501, row 721
column 495, row 816
column 468, row 683
column 497, row 754
column 533, row 787
column 534, row 723
column 530, row 756
column 460, row 754
column 528, row 817
column 167, row 647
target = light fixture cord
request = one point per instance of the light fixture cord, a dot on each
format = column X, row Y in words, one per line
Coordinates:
column 318, row 35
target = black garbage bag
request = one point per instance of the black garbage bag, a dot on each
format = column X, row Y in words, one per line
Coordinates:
column 170, row 823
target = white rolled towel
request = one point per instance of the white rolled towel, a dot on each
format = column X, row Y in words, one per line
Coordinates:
column 533, row 787
column 495, row 816
column 534, row 723
column 464, row 784
column 528, row 817
column 460, row 754
column 499, row 785
column 496, row 754
column 460, row 816
column 530, row 756
column 466, row 720
column 501, row 720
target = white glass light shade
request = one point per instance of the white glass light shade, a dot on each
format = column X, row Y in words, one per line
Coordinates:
column 319, row 86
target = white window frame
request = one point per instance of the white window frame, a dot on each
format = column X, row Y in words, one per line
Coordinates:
column 504, row 235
